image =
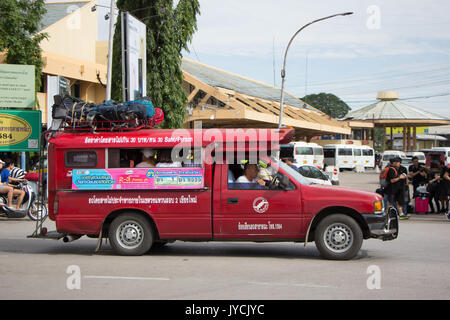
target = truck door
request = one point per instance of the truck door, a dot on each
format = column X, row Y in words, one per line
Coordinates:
column 252, row 212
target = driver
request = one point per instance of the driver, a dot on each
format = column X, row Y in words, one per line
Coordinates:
column 6, row 179
column 250, row 175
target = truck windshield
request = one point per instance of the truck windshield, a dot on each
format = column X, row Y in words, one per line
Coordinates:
column 290, row 171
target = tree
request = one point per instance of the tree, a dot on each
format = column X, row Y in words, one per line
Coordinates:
column 328, row 103
column 20, row 22
column 169, row 31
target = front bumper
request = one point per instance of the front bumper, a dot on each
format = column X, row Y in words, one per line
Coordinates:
column 383, row 226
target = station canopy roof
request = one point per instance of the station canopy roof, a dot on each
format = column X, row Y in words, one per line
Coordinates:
column 390, row 111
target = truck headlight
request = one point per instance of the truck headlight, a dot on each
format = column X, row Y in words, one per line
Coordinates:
column 378, row 207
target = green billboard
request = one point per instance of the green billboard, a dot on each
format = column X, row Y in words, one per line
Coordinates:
column 17, row 86
column 20, row 130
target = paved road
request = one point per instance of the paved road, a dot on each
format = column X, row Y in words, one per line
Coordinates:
column 415, row 266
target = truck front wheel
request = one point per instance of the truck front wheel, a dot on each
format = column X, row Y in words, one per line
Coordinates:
column 338, row 237
column 130, row 234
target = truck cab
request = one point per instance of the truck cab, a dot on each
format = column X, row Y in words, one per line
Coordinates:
column 221, row 186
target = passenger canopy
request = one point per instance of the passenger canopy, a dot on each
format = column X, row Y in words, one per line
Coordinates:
column 223, row 139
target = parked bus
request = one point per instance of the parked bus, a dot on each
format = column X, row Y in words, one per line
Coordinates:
column 303, row 153
column 389, row 154
column 318, row 155
column 339, row 155
column 368, row 156
column 358, row 156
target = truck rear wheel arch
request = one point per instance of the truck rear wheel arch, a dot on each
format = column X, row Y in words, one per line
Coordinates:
column 338, row 210
column 108, row 220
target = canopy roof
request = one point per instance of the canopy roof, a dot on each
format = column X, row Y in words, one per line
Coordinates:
column 390, row 111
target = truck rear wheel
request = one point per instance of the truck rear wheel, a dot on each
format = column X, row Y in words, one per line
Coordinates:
column 338, row 237
column 130, row 234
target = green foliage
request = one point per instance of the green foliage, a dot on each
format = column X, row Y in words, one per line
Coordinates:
column 20, row 20
column 169, row 31
column 328, row 103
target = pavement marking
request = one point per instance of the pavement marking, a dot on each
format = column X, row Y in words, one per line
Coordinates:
column 306, row 285
column 125, row 278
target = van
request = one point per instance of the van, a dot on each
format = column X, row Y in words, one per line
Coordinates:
column 445, row 151
column 358, row 156
column 318, row 155
column 418, row 154
column 339, row 155
column 434, row 155
column 368, row 155
column 95, row 189
column 389, row 154
column 303, row 153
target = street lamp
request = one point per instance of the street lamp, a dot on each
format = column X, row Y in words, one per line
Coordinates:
column 283, row 71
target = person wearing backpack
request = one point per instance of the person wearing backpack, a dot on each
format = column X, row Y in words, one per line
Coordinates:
column 395, row 187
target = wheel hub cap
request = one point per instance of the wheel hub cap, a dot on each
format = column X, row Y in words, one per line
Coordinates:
column 338, row 238
column 130, row 235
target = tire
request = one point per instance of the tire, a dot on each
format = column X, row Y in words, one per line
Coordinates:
column 37, row 212
column 130, row 234
column 338, row 237
column 159, row 244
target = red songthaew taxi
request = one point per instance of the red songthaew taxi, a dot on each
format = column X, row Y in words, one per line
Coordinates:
column 145, row 188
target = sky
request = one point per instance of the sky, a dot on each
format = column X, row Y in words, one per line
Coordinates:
column 385, row 45
column 401, row 45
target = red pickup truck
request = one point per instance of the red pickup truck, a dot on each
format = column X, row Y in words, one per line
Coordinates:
column 96, row 188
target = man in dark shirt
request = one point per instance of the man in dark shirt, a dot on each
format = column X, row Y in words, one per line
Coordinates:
column 417, row 173
column 404, row 185
column 395, row 186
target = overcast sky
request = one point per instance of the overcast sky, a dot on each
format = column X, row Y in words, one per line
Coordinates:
column 401, row 45
column 398, row 45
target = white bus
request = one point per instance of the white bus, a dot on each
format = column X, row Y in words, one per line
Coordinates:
column 318, row 155
column 301, row 153
column 358, row 156
column 388, row 154
column 368, row 156
column 339, row 155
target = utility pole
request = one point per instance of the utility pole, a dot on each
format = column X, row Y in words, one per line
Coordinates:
column 110, row 49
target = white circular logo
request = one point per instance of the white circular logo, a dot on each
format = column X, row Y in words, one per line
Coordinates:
column 260, row 205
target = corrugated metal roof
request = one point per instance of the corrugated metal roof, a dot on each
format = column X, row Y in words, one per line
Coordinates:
column 57, row 11
column 392, row 110
column 219, row 78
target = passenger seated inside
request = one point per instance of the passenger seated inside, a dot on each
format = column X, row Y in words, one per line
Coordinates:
column 148, row 160
column 192, row 160
column 165, row 159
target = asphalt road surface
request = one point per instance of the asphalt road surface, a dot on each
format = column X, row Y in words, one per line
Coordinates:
column 414, row 266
